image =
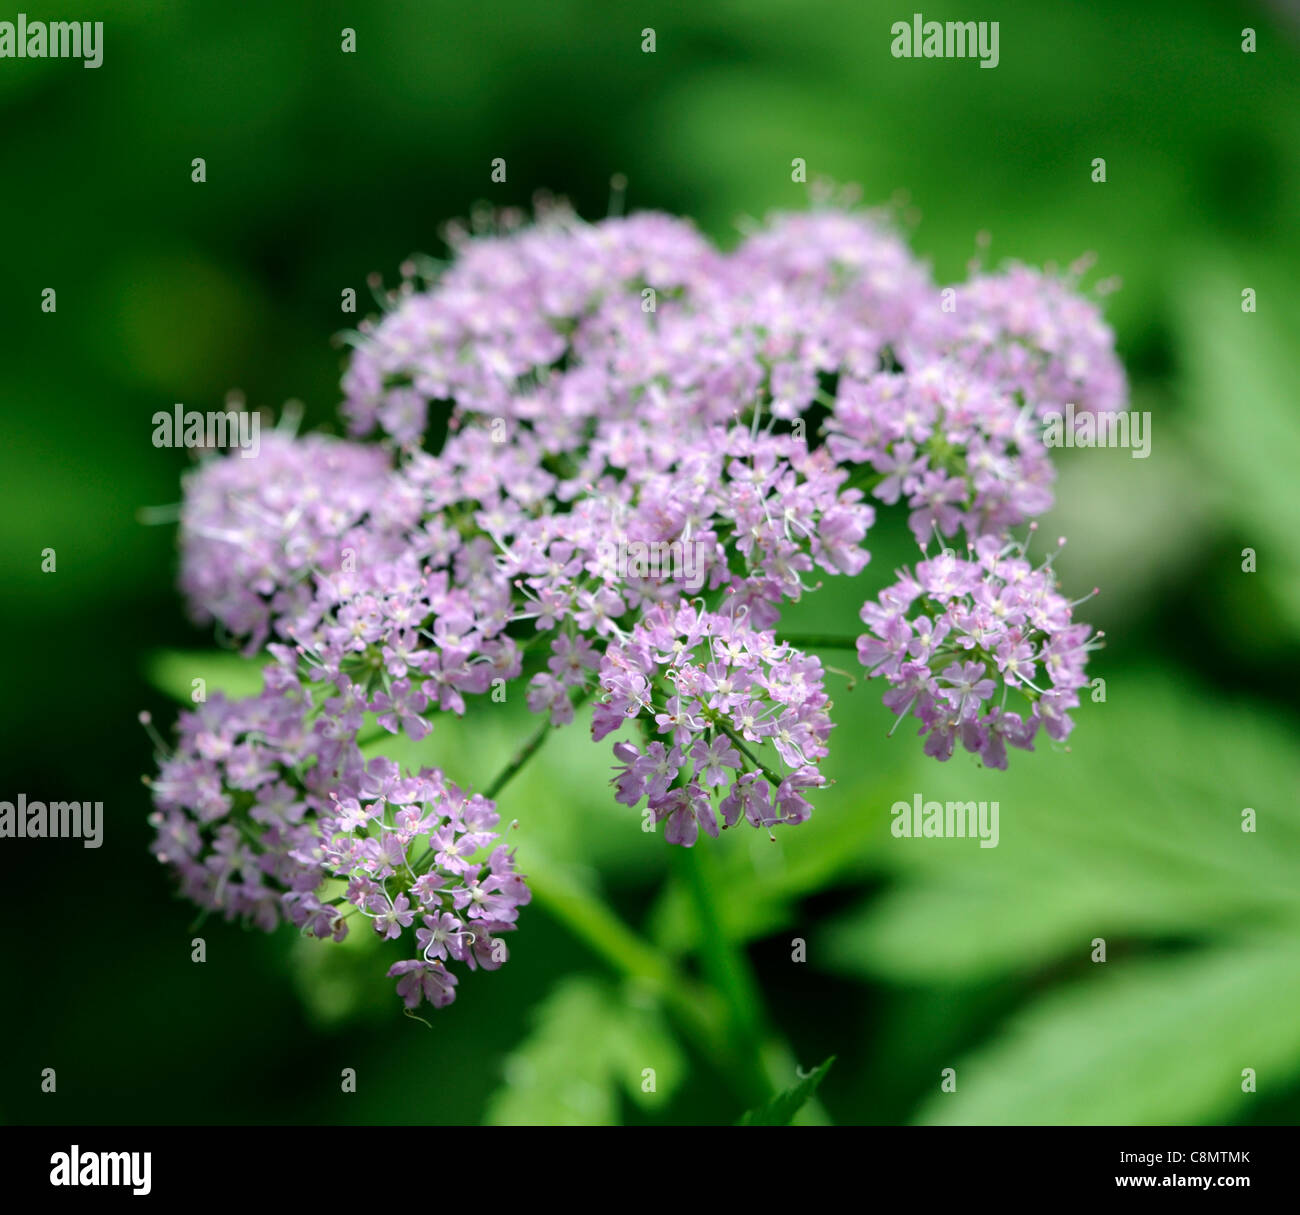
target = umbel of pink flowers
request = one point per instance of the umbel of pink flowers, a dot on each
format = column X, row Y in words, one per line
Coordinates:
column 601, row 387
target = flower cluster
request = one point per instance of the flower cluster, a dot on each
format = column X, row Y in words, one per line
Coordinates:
column 457, row 899
column 255, row 530
column 954, row 638
column 713, row 687
column 266, row 817
column 602, row 460
column 960, row 453
column 1031, row 334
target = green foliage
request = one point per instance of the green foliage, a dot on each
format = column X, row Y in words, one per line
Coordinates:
column 1133, row 844
column 1161, row 1042
column 780, row 1111
column 1107, row 839
column 1238, row 369
column 589, row 1044
column 172, row 672
column 1133, row 835
column 341, row 982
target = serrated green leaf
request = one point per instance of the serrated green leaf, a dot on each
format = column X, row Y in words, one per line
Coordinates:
column 780, row 1111
column 589, row 1042
column 1142, row 1043
column 1109, row 839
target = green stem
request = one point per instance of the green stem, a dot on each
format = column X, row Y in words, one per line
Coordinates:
column 728, row 970
column 767, row 1064
column 724, row 1020
column 735, row 737
column 511, row 770
column 820, row 641
column 522, row 756
column 529, row 749
column 594, row 923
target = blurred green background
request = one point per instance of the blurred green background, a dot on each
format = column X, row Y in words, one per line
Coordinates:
column 324, row 167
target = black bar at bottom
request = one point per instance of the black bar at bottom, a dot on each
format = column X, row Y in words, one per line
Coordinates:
column 332, row 1164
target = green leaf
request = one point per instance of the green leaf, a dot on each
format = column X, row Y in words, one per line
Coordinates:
column 1238, row 372
column 1109, row 839
column 1143, row 1043
column 780, row 1111
column 173, row 673
column 589, row 1042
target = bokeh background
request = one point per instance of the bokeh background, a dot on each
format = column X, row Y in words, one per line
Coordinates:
column 323, row 168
